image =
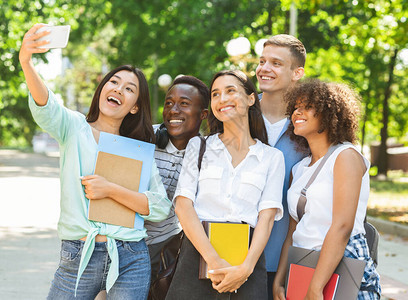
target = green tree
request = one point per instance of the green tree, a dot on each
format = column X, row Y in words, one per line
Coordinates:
column 357, row 42
column 16, row 17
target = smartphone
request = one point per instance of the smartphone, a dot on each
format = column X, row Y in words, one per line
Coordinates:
column 58, row 36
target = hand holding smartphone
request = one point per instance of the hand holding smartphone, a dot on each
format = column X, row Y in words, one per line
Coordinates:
column 58, row 36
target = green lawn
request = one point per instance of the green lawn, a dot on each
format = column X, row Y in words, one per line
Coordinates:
column 389, row 198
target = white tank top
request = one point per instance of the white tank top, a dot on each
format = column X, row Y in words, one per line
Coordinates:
column 312, row 229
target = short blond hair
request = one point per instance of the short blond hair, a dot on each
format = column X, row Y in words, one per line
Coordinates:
column 297, row 50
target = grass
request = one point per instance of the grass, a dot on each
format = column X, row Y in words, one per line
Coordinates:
column 389, row 198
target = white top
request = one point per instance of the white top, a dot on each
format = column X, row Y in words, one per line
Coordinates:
column 315, row 223
column 274, row 130
column 221, row 192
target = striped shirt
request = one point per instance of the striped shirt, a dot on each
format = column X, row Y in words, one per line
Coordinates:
column 168, row 162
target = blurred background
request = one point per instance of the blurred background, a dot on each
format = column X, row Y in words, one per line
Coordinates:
column 361, row 43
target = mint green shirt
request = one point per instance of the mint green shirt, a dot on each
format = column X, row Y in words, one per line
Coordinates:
column 78, row 150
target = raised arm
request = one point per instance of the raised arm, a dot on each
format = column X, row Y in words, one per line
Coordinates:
column 29, row 46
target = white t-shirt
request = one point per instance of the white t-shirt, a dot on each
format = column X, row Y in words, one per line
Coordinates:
column 221, row 192
column 274, row 130
column 315, row 223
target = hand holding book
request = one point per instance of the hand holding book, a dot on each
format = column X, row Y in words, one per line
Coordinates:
column 96, row 187
column 219, row 263
column 233, row 277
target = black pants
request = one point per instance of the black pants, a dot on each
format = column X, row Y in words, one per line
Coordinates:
column 186, row 285
column 271, row 277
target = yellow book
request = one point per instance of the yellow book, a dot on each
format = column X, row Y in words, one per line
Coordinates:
column 230, row 240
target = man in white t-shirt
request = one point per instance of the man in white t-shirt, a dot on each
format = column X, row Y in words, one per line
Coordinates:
column 280, row 65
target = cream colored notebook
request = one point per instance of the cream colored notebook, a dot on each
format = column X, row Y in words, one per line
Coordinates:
column 123, row 171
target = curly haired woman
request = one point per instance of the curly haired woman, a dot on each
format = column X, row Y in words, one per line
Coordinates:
column 326, row 114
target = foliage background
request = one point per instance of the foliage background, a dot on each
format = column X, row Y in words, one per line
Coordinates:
column 362, row 43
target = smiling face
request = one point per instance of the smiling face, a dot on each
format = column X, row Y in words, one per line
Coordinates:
column 183, row 113
column 229, row 100
column 274, row 71
column 119, row 96
column 305, row 121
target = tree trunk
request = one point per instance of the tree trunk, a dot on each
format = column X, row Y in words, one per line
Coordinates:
column 269, row 20
column 363, row 132
column 383, row 156
column 367, row 112
column 287, row 22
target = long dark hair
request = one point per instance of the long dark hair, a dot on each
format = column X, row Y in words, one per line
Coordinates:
column 136, row 126
column 256, row 122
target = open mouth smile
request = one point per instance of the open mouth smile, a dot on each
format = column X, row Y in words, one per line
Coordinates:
column 226, row 108
column 176, row 121
column 112, row 99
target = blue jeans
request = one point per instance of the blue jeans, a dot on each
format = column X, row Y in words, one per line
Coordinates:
column 134, row 272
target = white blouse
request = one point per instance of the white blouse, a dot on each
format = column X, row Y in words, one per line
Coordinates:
column 221, row 192
column 315, row 223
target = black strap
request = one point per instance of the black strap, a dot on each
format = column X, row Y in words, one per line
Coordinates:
column 203, row 146
column 300, row 209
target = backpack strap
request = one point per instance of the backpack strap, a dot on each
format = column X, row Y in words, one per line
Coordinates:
column 300, row 209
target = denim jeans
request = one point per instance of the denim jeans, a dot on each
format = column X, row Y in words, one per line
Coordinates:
column 134, row 272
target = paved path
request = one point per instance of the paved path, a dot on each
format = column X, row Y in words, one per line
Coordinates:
column 29, row 246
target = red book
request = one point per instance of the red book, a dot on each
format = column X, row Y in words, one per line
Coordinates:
column 299, row 280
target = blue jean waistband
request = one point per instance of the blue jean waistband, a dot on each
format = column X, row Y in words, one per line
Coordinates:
column 100, row 246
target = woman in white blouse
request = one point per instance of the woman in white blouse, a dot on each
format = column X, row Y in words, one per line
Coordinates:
column 325, row 114
column 240, row 180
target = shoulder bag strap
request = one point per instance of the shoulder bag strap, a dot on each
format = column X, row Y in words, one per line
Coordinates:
column 203, row 145
column 300, row 209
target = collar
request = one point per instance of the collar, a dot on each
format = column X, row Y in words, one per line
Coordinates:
column 257, row 150
column 170, row 148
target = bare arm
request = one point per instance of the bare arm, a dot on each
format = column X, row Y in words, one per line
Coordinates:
column 348, row 172
column 235, row 276
column 195, row 232
column 29, row 46
column 97, row 187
